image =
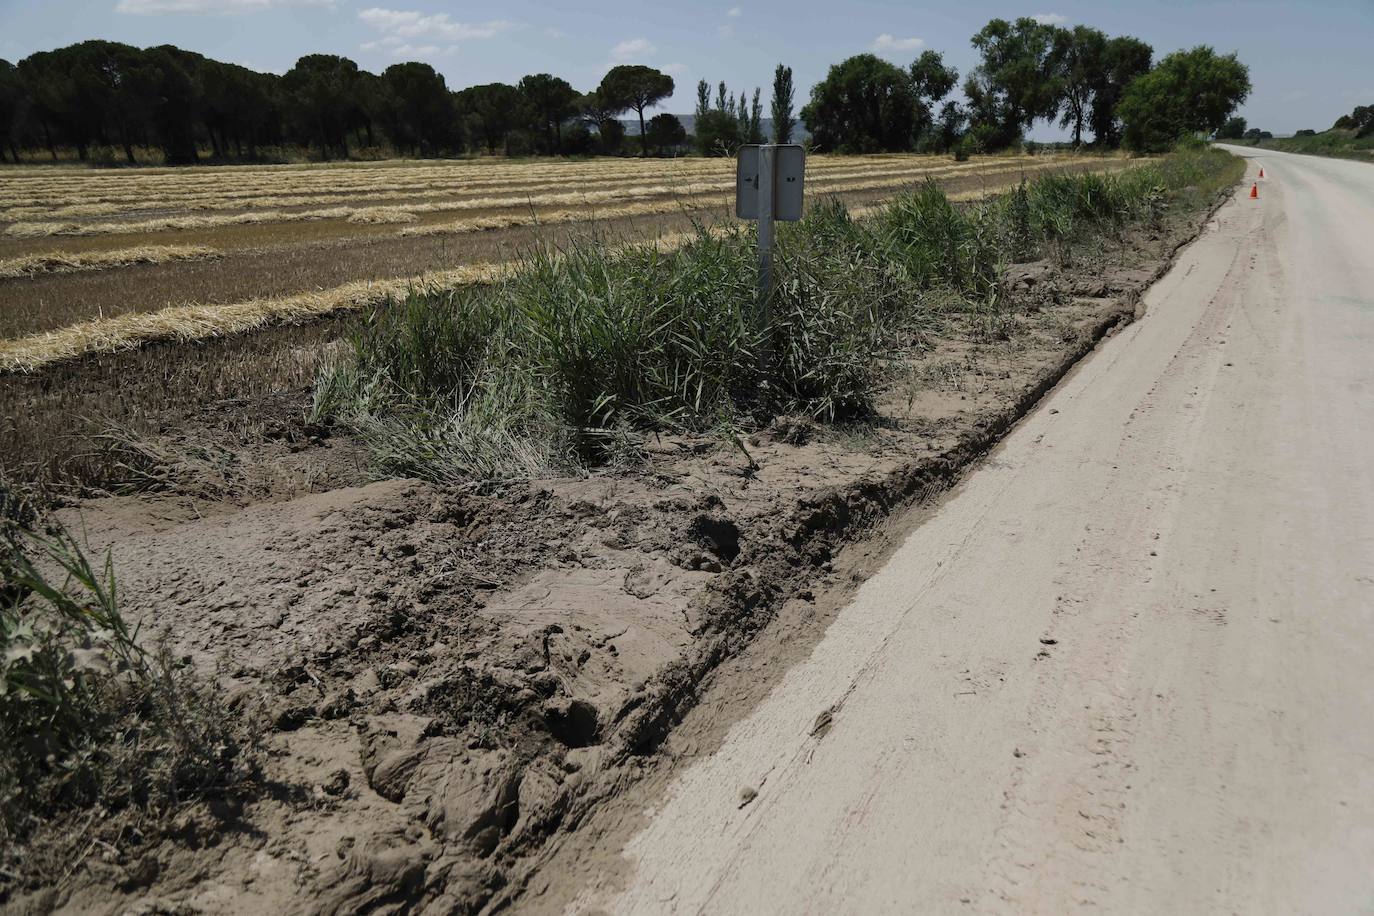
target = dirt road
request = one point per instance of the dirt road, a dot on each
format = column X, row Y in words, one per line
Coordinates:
column 1129, row 665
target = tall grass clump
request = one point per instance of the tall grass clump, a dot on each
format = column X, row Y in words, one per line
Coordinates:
column 646, row 337
column 580, row 349
column 93, row 725
column 586, row 344
column 937, row 243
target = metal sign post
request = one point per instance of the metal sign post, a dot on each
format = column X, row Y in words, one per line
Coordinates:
column 769, row 178
column 765, row 205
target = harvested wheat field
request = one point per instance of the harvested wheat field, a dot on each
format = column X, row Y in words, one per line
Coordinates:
column 435, row 491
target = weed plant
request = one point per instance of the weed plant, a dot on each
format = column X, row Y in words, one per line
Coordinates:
column 90, row 720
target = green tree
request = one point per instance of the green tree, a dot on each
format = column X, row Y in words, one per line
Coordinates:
column 1016, row 81
column 1233, row 129
column 221, row 89
column 88, row 92
column 551, row 101
column 166, row 81
column 49, row 86
column 600, row 114
column 1361, row 120
column 717, row 133
column 110, row 92
column 1123, row 60
column 495, row 109
column 931, row 81
column 783, row 120
column 703, row 99
column 239, row 109
column 371, row 98
column 419, row 112
column 1079, row 57
column 634, row 86
column 610, row 137
column 322, row 91
column 950, row 126
column 1189, row 91
column 755, row 131
column 863, row 105
column 11, row 107
column 665, row 131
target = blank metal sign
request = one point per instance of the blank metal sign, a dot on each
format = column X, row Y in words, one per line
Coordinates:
column 789, row 172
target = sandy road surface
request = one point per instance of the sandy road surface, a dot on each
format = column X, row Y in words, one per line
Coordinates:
column 1129, row 666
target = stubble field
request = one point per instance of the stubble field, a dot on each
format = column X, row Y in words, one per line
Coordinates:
column 83, row 244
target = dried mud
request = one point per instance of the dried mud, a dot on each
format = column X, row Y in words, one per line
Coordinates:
column 455, row 675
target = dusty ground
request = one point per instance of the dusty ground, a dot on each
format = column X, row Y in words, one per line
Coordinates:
column 1123, row 669
column 454, row 675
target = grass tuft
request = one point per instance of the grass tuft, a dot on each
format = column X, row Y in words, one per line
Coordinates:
column 91, row 722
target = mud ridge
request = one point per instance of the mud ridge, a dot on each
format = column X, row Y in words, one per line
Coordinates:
column 745, row 600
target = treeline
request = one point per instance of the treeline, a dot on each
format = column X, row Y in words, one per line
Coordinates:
column 101, row 95
column 1081, row 78
column 105, row 96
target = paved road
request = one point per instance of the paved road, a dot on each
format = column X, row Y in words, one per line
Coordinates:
column 1129, row 667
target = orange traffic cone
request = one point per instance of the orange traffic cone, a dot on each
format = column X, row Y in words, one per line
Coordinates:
column 1261, row 173
column 1254, row 191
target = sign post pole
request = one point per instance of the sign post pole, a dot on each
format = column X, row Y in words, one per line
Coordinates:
column 767, row 152
column 768, row 187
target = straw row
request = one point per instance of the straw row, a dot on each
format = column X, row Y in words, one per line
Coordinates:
column 137, row 199
column 59, row 262
column 394, row 214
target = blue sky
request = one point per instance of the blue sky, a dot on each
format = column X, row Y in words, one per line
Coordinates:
column 1310, row 62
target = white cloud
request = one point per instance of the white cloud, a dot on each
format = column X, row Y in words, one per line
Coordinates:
column 735, row 12
column 397, row 47
column 405, row 51
column 633, row 49
column 1297, row 95
column 725, row 31
column 555, row 33
column 677, row 70
column 1359, row 94
column 437, row 27
column 154, row 7
column 1050, row 18
column 887, row 44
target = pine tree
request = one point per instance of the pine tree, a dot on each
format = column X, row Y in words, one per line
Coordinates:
column 783, row 121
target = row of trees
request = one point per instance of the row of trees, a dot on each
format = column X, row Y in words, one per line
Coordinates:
column 101, row 94
column 1028, row 71
column 114, row 96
